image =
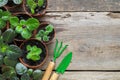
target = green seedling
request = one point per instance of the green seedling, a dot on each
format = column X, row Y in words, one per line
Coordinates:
column 43, row 35
column 33, row 4
column 33, row 53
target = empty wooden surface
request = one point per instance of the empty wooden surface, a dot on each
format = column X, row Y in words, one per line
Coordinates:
column 94, row 38
column 84, row 5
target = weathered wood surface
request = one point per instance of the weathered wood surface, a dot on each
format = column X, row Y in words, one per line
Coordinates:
column 83, row 5
column 90, row 76
column 93, row 37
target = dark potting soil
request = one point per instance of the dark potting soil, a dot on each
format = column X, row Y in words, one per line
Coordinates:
column 38, row 10
column 19, row 37
column 51, row 35
column 32, row 43
column 11, row 3
column 3, row 8
column 23, row 16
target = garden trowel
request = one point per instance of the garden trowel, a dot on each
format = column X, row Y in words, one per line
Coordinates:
column 62, row 66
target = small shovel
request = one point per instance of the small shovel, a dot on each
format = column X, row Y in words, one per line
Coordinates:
column 62, row 66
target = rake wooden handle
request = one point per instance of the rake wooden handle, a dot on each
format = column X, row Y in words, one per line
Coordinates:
column 48, row 71
column 55, row 76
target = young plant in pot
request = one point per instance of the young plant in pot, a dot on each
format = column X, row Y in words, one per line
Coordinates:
column 10, row 3
column 22, row 16
column 23, row 27
column 35, row 7
column 45, row 33
column 4, row 17
column 35, row 53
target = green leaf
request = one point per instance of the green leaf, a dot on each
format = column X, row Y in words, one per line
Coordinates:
column 30, row 71
column 25, row 77
column 22, row 22
column 14, row 21
column 32, row 5
column 8, row 35
column 33, row 53
column 10, row 62
column 28, row 47
column 1, row 60
column 6, row 15
column 32, row 24
column 49, row 28
column 3, row 2
column 17, row 1
column 8, row 71
column 20, row 69
column 40, row 3
column 38, row 38
column 45, row 38
column 41, row 33
column 19, row 29
column 37, row 74
column 2, row 23
column 26, row 34
column 14, row 52
column 46, row 33
column 14, row 78
column 3, row 49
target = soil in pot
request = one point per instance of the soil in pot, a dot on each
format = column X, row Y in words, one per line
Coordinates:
column 39, row 11
column 3, row 8
column 32, row 63
column 11, row 4
column 51, row 35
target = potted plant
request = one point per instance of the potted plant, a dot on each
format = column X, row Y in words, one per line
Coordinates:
column 35, row 53
column 23, row 27
column 10, row 3
column 45, row 33
column 35, row 7
column 4, row 17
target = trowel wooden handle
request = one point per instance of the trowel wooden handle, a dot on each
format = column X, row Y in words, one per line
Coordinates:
column 55, row 76
column 48, row 71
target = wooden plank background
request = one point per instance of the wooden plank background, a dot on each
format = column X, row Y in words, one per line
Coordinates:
column 94, row 38
column 84, row 5
column 92, row 30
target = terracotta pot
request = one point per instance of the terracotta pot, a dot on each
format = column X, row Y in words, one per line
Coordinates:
column 41, row 11
column 11, row 5
column 30, row 63
column 42, row 26
column 19, row 38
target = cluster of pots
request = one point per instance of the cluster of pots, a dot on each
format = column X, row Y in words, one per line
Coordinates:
column 22, row 43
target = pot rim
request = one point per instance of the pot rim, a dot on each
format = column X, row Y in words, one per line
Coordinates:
column 40, row 14
column 39, row 65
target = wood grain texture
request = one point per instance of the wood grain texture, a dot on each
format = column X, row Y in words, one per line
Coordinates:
column 83, row 5
column 94, row 38
column 90, row 76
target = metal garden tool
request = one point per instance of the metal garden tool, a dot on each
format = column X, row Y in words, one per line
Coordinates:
column 62, row 66
column 58, row 50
